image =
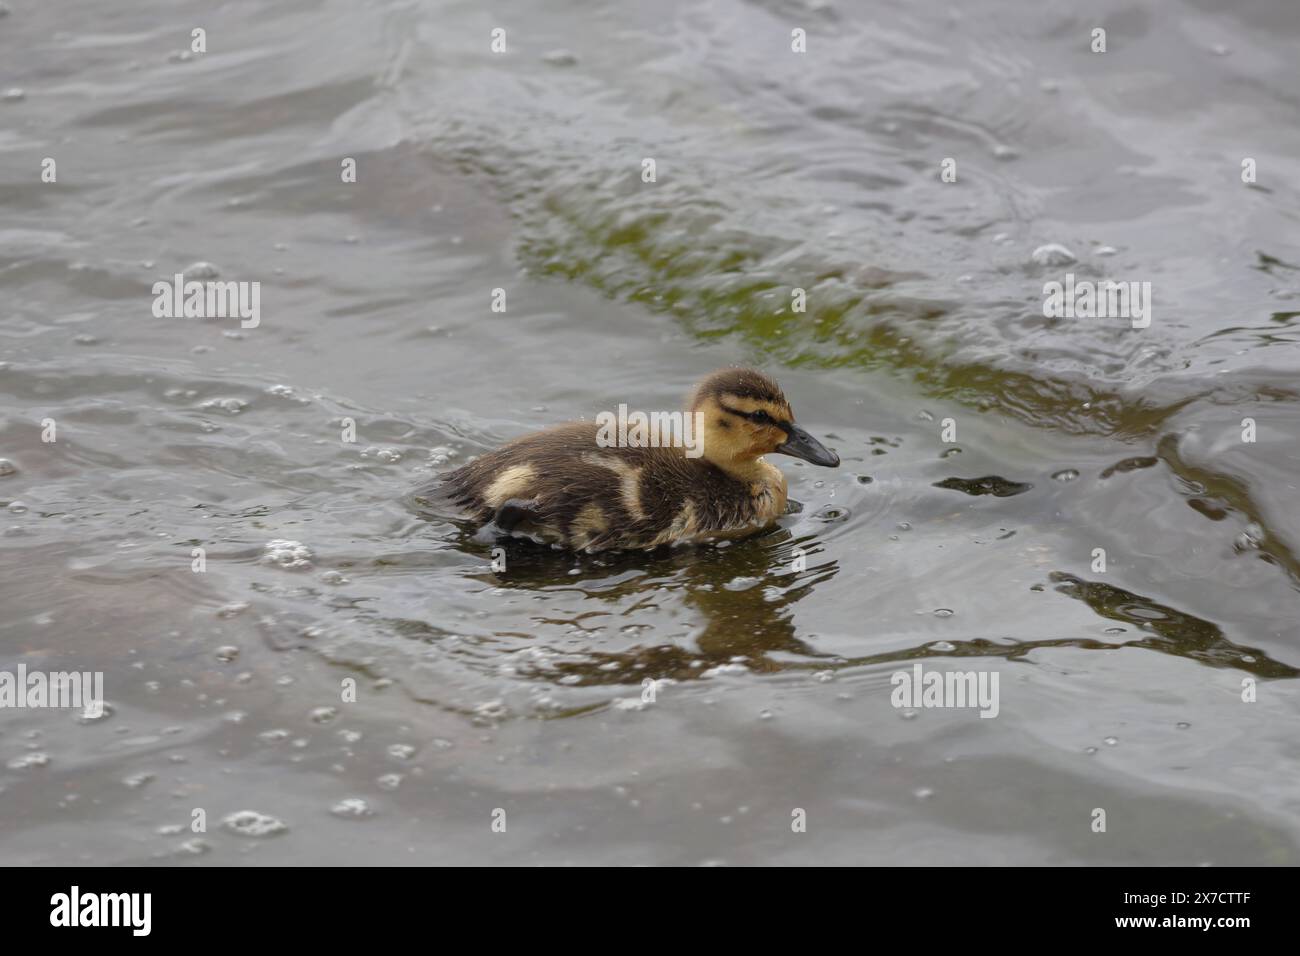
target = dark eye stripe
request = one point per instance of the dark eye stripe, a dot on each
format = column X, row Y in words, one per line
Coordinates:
column 759, row 417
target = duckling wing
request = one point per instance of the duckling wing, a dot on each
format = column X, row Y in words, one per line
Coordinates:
column 549, row 484
column 562, row 486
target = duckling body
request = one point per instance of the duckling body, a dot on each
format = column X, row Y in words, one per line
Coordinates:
column 569, row 487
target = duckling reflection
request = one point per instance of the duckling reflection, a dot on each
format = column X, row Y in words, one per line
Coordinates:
column 743, row 596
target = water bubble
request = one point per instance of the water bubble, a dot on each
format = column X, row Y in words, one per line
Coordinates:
column 943, row 612
column 1053, row 254
column 944, row 647
column 291, row 555
column 1182, row 725
column 35, row 759
column 401, row 751
column 14, row 94
column 390, row 781
column 1090, row 750
column 323, row 715
column 1250, row 538
column 201, row 270
column 1110, row 741
column 251, row 823
column 89, row 715
column 7, row 468
column 1067, row 474
column 923, row 793
column 138, row 780
column 352, row 808
column 231, row 405
column 227, row 653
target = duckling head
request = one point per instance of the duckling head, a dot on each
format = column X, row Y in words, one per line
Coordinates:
column 746, row 416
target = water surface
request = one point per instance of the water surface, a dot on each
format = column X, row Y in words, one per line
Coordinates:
column 522, row 690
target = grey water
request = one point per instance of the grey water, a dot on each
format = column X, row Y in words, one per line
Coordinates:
column 300, row 668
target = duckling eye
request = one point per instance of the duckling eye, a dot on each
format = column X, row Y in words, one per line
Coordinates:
column 760, row 416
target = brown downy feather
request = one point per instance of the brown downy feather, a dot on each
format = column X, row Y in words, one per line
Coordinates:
column 593, row 498
column 560, row 486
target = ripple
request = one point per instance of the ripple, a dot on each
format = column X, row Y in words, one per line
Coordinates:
column 994, row 485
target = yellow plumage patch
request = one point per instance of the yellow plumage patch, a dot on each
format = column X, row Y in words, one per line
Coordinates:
column 629, row 482
column 514, row 482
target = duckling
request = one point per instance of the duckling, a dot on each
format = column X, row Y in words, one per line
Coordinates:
column 567, row 487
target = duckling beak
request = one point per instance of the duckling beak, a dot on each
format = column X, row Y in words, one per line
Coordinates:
column 799, row 444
